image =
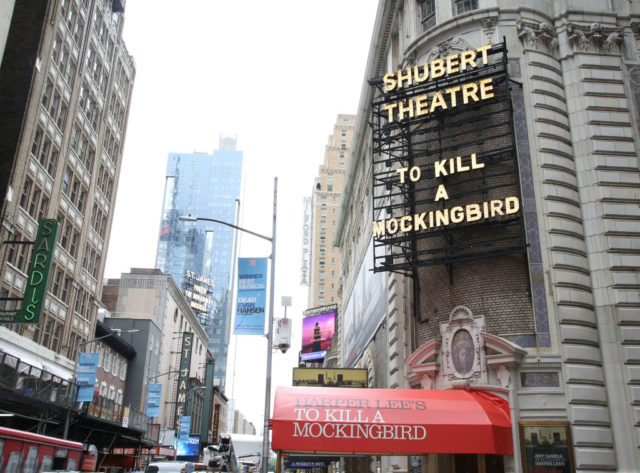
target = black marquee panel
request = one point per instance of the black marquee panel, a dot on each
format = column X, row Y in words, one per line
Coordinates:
column 460, row 199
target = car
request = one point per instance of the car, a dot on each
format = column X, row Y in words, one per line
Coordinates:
column 170, row 467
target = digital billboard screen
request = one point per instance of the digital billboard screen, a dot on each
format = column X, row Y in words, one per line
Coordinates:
column 317, row 332
column 188, row 447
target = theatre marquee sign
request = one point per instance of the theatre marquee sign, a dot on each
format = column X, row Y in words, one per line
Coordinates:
column 445, row 180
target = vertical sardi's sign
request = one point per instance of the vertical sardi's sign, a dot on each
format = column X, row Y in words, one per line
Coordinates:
column 183, row 376
column 39, row 270
column 446, row 179
column 252, row 296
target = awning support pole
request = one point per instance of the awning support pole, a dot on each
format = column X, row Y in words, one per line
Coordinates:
column 378, row 464
column 278, row 462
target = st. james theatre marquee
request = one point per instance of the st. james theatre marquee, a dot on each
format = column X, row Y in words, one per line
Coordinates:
column 445, row 179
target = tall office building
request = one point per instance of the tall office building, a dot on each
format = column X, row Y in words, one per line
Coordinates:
column 324, row 267
column 65, row 89
column 207, row 186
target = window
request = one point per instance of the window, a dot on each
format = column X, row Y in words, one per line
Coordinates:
column 321, row 261
column 115, row 369
column 61, row 284
column 68, row 235
column 88, row 103
column 74, row 189
column 57, row 337
column 341, row 154
column 104, row 182
column 107, row 361
column 82, row 146
column 463, row 6
column 103, row 388
column 17, row 254
column 91, row 261
column 330, row 188
column 343, row 145
column 33, row 200
column 322, row 248
column 344, row 132
column 428, row 14
column 98, row 220
column 321, row 275
column 119, row 397
column 321, row 288
column 112, row 393
column 123, row 370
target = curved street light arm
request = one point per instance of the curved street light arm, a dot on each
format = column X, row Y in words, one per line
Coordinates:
column 189, row 218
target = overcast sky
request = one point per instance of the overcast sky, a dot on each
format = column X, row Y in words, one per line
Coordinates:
column 275, row 74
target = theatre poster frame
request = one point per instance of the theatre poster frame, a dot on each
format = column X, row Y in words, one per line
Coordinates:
column 555, row 429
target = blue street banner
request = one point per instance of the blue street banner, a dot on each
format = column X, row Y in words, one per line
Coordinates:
column 252, row 296
column 185, row 428
column 154, row 392
column 86, row 379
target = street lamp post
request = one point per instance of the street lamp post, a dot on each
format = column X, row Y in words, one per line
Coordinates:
column 267, row 395
column 114, row 331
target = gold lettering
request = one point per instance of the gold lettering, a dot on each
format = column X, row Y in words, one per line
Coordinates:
column 402, row 110
column 483, row 50
column 392, row 226
column 389, row 107
column 474, row 164
column 469, row 90
column 452, row 64
column 415, row 173
column 416, row 74
column 441, row 193
column 442, row 217
column 401, row 171
column 459, row 166
column 403, row 223
column 378, row 229
column 389, row 82
column 438, row 101
column 457, row 214
column 439, row 169
column 473, row 212
column 418, row 221
column 486, row 88
column 421, row 106
column 452, row 95
column 402, row 78
column 467, row 57
column 512, row 205
column 496, row 208
column 437, row 68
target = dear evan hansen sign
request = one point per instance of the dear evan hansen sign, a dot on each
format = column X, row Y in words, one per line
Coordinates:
column 252, row 296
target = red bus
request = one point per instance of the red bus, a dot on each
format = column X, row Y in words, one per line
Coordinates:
column 26, row 452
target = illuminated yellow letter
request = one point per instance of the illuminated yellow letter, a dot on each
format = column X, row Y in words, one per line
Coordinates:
column 441, row 193
column 389, row 82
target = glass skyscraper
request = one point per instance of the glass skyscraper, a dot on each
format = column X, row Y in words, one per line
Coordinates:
column 207, row 186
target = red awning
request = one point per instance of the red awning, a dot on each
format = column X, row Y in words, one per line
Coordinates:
column 390, row 421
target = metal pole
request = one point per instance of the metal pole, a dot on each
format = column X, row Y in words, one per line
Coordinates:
column 67, row 420
column 264, row 463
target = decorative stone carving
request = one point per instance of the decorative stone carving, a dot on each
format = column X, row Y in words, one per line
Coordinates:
column 540, row 36
column 489, row 28
column 635, row 28
column 447, row 48
column 464, row 357
column 594, row 38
